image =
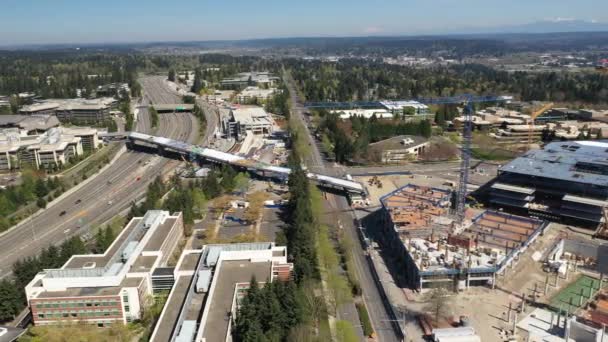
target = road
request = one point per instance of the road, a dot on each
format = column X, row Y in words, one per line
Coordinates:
column 107, row 194
column 377, row 307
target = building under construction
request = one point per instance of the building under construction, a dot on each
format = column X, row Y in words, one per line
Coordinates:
column 435, row 251
column 565, row 182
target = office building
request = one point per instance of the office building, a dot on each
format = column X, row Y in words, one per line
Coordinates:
column 261, row 79
column 565, row 181
column 79, row 111
column 48, row 150
column 255, row 93
column 245, row 119
column 209, row 285
column 109, row 288
column 85, row 112
column 399, row 149
column 45, row 108
column 29, row 124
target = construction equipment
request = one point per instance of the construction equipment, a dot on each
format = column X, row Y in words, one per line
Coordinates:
column 533, row 117
column 465, row 100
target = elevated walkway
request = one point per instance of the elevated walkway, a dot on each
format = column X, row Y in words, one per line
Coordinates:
column 263, row 169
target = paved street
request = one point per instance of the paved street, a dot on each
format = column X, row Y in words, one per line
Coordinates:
column 107, row 194
column 376, row 305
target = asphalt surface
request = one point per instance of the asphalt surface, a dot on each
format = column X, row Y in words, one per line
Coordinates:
column 108, row 193
column 376, row 304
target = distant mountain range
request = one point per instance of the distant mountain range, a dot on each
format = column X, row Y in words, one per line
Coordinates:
column 545, row 26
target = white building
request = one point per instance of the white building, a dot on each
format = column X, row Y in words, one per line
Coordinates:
column 248, row 119
column 261, row 79
column 73, row 110
column 52, row 148
column 398, row 106
column 113, row 287
column 365, row 113
column 210, row 285
column 251, row 93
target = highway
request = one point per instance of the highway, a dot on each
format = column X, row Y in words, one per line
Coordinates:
column 379, row 313
column 108, row 193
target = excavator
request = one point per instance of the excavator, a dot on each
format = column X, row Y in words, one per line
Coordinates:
column 533, row 117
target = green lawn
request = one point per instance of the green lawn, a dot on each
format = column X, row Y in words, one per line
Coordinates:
column 571, row 294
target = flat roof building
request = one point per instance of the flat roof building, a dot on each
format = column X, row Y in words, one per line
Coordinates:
column 73, row 110
column 31, row 124
column 48, row 150
column 107, row 288
column 399, row 149
column 565, row 181
column 48, row 108
column 245, row 119
column 211, row 282
column 255, row 93
column 262, row 79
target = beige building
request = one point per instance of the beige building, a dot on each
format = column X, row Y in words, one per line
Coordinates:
column 51, row 149
column 400, row 149
column 113, row 287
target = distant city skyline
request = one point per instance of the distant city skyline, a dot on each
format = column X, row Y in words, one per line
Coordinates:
column 113, row 21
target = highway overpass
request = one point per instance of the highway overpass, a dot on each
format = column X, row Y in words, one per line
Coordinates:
column 262, row 169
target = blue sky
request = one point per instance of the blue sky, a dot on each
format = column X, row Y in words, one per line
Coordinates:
column 84, row 21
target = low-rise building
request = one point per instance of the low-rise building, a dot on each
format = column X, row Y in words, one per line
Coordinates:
column 248, row 119
column 29, row 124
column 262, row 79
column 365, row 113
column 255, row 93
column 565, row 181
column 87, row 111
column 419, row 111
column 88, row 136
column 399, row 149
column 48, row 150
column 109, row 288
column 47, row 107
column 210, row 285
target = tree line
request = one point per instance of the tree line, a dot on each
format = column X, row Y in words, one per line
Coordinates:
column 52, row 74
column 357, row 79
column 290, row 311
column 12, row 294
column 33, row 187
column 350, row 138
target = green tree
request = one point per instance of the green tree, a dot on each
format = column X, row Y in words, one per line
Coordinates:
column 10, row 300
column 171, row 76
column 41, row 203
column 425, row 128
column 211, row 185
column 41, row 188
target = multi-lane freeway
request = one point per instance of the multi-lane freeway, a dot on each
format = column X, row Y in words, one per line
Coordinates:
column 108, row 193
column 378, row 307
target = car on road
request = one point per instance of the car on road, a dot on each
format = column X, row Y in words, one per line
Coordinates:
column 78, row 201
column 63, row 213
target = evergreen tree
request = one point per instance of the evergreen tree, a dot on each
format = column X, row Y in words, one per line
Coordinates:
column 10, row 300
column 171, row 75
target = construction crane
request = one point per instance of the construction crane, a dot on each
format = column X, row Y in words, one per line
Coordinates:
column 533, row 117
column 467, row 101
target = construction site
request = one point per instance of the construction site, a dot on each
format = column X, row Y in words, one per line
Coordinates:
column 438, row 251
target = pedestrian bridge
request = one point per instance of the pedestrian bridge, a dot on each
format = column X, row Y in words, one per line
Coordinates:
column 263, row 169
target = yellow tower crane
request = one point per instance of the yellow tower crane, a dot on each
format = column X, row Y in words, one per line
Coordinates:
column 533, row 117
